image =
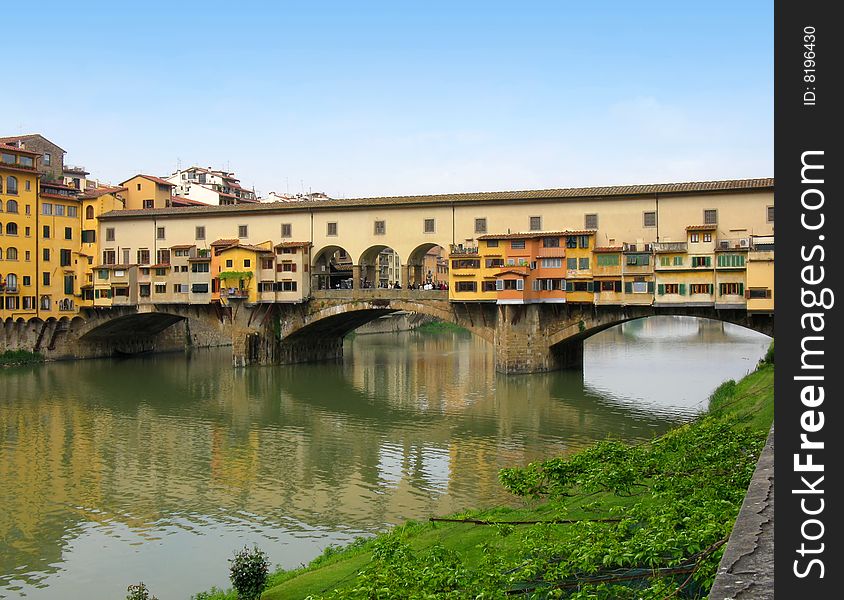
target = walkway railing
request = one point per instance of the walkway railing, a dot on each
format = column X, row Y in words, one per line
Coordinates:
column 379, row 294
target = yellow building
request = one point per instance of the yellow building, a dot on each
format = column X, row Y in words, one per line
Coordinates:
column 759, row 292
column 580, row 286
column 147, row 191
column 685, row 273
column 59, row 229
column 244, row 268
column 93, row 203
column 20, row 286
column 472, row 271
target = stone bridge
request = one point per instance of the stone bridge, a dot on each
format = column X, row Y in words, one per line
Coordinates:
column 526, row 338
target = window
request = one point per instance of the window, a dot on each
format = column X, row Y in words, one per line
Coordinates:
column 68, row 233
column 731, row 260
column 488, row 286
column 428, row 226
column 694, row 238
column 26, row 231
column 199, row 232
column 286, row 286
column 700, row 288
column 466, row 263
column 678, row 261
column 160, row 272
column 109, row 257
column 11, row 185
column 45, row 229
column 608, row 260
column 480, row 225
column 466, row 286
column 143, row 256
column 180, row 288
column 27, row 280
column 668, row 288
column 12, row 253
column 71, row 211
column 242, row 231
column 89, row 212
column 649, row 218
column 147, row 203
column 12, row 206
column 160, row 288
column 199, row 288
column 45, row 278
column 200, row 267
column 159, row 233
column 583, row 263
column 638, row 260
column 380, row 227
column 46, row 208
column 769, row 211
column 267, row 263
column 535, row 223
column 710, row 216
column 583, row 241
column 758, row 294
column 68, row 285
column 11, row 228
column 701, row 261
column 59, row 208
column 707, row 237
column 47, row 159
column 731, row 289
column 163, row 257
column 550, row 242
column 247, row 263
column 517, row 244
column 286, row 230
column 591, row 221
column 492, row 263
column 571, row 241
column 552, row 263
column 89, row 236
column 286, row 267
column 571, row 264
column 492, row 243
column 229, row 263
column 109, row 234
column 331, row 229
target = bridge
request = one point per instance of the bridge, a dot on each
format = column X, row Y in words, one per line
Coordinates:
column 526, row 338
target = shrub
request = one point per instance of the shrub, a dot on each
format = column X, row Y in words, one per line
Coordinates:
column 139, row 591
column 248, row 572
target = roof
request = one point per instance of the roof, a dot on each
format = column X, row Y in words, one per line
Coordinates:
column 182, row 246
column 182, row 201
column 57, row 196
column 102, row 191
column 25, row 136
column 157, row 180
column 535, row 234
column 293, row 245
column 588, row 193
column 607, row 248
column 711, row 227
column 4, row 146
column 514, row 272
column 249, row 247
column 224, row 242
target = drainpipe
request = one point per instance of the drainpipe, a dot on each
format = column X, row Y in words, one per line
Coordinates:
column 656, row 199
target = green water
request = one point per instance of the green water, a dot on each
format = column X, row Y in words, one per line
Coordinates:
column 158, row 468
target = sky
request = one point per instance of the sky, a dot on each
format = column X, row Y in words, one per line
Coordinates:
column 360, row 99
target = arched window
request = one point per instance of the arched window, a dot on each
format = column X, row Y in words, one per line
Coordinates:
column 11, row 228
column 1, row 188
column 89, row 211
column 12, row 206
column 11, row 185
column 12, row 254
column 11, row 281
column 1, row 253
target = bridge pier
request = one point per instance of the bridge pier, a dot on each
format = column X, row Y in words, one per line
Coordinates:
column 522, row 345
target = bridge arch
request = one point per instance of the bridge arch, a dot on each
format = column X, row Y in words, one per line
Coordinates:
column 380, row 265
column 331, row 265
column 134, row 324
column 435, row 271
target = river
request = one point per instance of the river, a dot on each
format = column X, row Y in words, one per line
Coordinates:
column 157, row 468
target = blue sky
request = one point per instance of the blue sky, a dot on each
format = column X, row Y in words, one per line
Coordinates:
column 391, row 98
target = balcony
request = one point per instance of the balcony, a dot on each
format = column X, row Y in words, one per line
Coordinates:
column 670, row 247
column 733, row 244
column 233, row 293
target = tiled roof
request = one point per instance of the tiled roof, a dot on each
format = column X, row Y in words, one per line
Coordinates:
column 589, row 193
column 23, row 137
column 157, row 180
column 4, row 146
column 535, row 234
column 514, row 272
column 182, row 246
column 224, row 242
column 182, row 201
column 102, row 191
column 58, row 196
column 710, row 227
column 293, row 245
column 607, row 248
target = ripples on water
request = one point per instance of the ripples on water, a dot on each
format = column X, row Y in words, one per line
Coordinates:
column 158, row 468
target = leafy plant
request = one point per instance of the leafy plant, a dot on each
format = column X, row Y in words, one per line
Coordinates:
column 248, row 572
column 139, row 591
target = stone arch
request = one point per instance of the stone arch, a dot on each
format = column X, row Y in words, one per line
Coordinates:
column 420, row 272
column 137, row 325
column 331, row 266
column 381, row 264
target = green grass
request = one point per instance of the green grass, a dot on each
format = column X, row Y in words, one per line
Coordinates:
column 440, row 327
column 20, row 357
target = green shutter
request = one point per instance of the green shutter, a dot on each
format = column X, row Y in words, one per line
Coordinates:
column 708, row 261
column 628, row 287
column 650, row 287
column 741, row 289
column 590, row 286
column 661, row 289
column 711, row 288
column 682, row 289
column 617, row 286
column 569, row 286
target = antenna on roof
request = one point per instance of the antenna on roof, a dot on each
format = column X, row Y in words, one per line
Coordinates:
column 178, row 164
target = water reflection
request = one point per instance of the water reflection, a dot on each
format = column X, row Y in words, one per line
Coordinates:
column 155, row 469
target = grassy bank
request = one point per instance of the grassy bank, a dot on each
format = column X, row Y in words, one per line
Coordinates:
column 20, row 357
column 440, row 327
column 612, row 522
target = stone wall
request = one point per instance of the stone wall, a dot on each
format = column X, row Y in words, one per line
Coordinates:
column 394, row 323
